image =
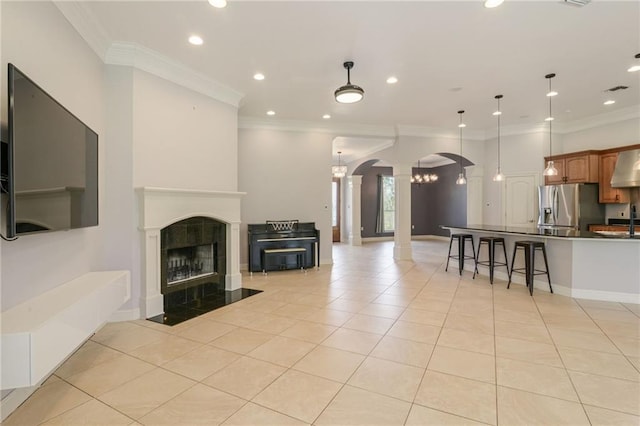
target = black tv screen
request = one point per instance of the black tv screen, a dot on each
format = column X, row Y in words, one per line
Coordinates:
column 52, row 163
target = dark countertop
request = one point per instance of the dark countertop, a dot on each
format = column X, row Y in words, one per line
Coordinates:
column 560, row 232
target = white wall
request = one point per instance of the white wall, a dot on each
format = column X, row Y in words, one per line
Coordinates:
column 286, row 175
column 613, row 135
column 41, row 43
column 182, row 139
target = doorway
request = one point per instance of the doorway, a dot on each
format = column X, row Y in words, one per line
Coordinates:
column 335, row 209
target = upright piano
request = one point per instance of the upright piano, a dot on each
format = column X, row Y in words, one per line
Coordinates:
column 283, row 234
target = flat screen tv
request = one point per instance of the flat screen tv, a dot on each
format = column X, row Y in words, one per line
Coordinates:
column 52, row 163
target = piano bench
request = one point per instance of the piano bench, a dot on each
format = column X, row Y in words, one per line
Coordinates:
column 300, row 252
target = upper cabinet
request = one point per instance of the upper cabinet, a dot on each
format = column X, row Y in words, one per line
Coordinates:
column 607, row 194
column 578, row 167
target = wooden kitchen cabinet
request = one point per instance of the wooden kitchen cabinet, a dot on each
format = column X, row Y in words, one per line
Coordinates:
column 607, row 194
column 578, row 167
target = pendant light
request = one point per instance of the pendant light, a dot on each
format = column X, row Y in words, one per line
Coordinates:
column 349, row 93
column 498, row 177
column 461, row 179
column 340, row 170
column 551, row 169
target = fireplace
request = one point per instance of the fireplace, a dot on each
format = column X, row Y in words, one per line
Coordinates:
column 159, row 208
column 192, row 260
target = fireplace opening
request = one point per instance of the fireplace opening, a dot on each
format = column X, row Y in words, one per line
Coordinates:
column 193, row 262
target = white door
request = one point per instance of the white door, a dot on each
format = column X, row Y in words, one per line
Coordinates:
column 521, row 200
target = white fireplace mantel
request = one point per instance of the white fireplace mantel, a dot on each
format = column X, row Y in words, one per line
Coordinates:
column 160, row 207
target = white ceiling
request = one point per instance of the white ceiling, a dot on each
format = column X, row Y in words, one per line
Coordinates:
column 447, row 55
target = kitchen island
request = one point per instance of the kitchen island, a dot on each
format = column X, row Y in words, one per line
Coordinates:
column 582, row 264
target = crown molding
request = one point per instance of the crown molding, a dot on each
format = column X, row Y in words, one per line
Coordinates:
column 85, row 23
column 616, row 116
column 310, row 126
column 431, row 132
column 144, row 59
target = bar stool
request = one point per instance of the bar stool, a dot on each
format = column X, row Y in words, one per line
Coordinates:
column 491, row 245
column 530, row 271
column 462, row 239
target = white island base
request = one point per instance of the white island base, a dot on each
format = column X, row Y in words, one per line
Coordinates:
column 581, row 267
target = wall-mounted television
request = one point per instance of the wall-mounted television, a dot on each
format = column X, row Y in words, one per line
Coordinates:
column 52, row 163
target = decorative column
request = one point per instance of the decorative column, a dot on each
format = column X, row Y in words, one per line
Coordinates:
column 233, row 279
column 355, row 190
column 402, row 233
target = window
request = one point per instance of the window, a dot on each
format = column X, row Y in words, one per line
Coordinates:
column 387, row 204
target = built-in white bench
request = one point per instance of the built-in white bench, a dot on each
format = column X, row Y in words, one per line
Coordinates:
column 39, row 334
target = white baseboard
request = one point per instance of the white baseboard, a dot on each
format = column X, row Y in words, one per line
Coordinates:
column 125, row 315
column 13, row 400
column 608, row 296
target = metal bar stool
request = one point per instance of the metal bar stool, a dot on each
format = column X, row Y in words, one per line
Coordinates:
column 462, row 239
column 491, row 245
column 530, row 271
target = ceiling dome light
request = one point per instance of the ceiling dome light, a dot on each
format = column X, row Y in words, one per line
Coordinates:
column 326, row 116
column 609, row 102
column 349, row 93
column 196, row 40
column 552, row 93
column 218, row 3
column 392, row 80
column 258, row 76
column 271, row 112
column 490, row 4
column 635, row 67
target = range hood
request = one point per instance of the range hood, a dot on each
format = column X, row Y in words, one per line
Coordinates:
column 627, row 171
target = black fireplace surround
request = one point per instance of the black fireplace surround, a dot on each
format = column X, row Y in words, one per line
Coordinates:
column 193, row 260
column 193, row 266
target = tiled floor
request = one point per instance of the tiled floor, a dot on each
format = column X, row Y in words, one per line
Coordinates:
column 367, row 341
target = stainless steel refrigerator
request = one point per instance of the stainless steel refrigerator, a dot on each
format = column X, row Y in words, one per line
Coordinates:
column 573, row 205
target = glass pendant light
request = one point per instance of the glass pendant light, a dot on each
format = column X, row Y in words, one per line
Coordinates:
column 461, row 179
column 551, row 169
column 498, row 177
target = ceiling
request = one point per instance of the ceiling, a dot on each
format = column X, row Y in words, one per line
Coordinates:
column 447, row 55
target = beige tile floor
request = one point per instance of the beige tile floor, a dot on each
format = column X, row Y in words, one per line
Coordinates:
column 366, row 341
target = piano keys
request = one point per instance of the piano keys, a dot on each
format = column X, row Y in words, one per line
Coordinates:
column 283, row 235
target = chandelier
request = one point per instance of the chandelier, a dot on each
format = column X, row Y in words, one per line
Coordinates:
column 425, row 178
column 340, row 170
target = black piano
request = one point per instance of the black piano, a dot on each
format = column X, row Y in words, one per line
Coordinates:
column 283, row 244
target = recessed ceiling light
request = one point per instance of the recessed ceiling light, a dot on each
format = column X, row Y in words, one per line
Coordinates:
column 392, row 80
column 635, row 67
column 218, row 3
column 196, row 40
column 549, row 119
column 462, row 125
column 552, row 93
column 326, row 116
column 497, row 113
column 258, row 76
column 489, row 4
column 609, row 102
column 271, row 112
